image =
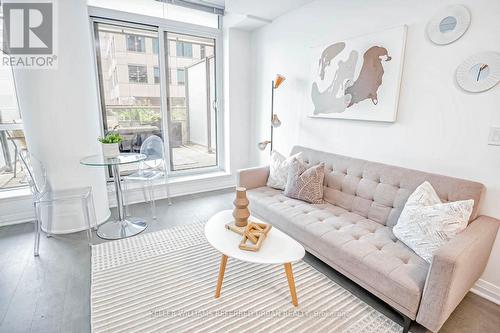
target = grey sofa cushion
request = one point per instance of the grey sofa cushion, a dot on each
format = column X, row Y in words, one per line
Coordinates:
column 379, row 191
column 360, row 246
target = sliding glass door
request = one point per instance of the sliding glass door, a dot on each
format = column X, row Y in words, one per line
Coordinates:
column 129, row 86
column 192, row 116
column 158, row 87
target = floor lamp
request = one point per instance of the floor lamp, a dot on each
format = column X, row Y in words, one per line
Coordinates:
column 275, row 121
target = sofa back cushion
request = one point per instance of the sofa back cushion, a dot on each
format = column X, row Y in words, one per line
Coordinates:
column 379, row 191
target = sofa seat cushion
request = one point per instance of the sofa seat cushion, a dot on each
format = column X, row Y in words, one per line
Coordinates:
column 359, row 246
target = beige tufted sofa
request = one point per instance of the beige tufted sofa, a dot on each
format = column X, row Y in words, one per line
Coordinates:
column 352, row 232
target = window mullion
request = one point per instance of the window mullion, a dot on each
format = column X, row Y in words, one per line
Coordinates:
column 163, row 66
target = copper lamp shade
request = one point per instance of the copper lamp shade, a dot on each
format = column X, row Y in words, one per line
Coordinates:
column 278, row 81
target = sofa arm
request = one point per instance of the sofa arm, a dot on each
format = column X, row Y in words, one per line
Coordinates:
column 253, row 177
column 454, row 269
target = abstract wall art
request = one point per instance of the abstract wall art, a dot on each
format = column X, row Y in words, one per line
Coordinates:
column 358, row 78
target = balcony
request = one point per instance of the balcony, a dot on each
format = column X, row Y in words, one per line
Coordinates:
column 11, row 140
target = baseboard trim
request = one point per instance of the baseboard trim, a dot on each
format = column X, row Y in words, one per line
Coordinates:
column 19, row 209
column 487, row 290
column 16, row 218
column 134, row 192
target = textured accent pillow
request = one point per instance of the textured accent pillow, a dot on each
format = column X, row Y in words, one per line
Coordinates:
column 305, row 184
column 425, row 223
column 278, row 169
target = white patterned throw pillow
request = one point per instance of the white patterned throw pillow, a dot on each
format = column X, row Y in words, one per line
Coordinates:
column 278, row 169
column 426, row 223
column 305, row 183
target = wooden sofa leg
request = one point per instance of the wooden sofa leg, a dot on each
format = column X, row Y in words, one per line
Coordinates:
column 407, row 324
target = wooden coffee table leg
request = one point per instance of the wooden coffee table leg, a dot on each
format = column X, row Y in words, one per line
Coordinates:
column 291, row 283
column 222, row 268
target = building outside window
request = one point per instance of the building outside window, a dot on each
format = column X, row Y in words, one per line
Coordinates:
column 157, row 74
column 12, row 138
column 184, row 49
column 137, row 74
column 177, row 102
column 155, row 46
column 181, row 76
column 192, row 122
column 135, row 43
column 134, row 102
column 202, row 51
column 114, row 79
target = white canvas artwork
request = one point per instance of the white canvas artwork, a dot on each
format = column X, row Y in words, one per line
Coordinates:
column 358, row 78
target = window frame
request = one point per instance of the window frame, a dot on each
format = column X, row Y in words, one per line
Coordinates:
column 162, row 26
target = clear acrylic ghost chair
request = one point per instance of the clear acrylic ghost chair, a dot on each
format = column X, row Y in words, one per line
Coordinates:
column 44, row 197
column 151, row 169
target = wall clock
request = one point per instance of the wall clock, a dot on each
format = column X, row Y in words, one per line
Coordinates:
column 480, row 72
column 448, row 24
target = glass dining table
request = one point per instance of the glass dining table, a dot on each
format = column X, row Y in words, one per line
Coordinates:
column 124, row 226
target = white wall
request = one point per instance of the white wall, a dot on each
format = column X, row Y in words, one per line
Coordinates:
column 439, row 128
column 60, row 113
column 237, row 97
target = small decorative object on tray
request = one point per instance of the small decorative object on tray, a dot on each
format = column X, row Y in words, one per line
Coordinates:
column 253, row 234
column 239, row 230
column 241, row 212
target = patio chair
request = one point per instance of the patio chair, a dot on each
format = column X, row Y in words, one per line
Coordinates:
column 44, row 197
column 150, row 170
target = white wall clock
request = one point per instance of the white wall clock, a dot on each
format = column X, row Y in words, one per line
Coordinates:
column 448, row 24
column 480, row 72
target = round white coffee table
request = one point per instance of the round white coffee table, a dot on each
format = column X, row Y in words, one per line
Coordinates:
column 277, row 248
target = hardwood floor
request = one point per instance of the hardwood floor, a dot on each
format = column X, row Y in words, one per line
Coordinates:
column 51, row 293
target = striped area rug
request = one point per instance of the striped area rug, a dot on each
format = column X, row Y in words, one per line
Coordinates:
column 165, row 282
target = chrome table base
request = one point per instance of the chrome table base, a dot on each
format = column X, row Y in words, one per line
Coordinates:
column 130, row 226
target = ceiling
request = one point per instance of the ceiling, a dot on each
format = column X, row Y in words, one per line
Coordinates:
column 253, row 14
column 265, row 9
